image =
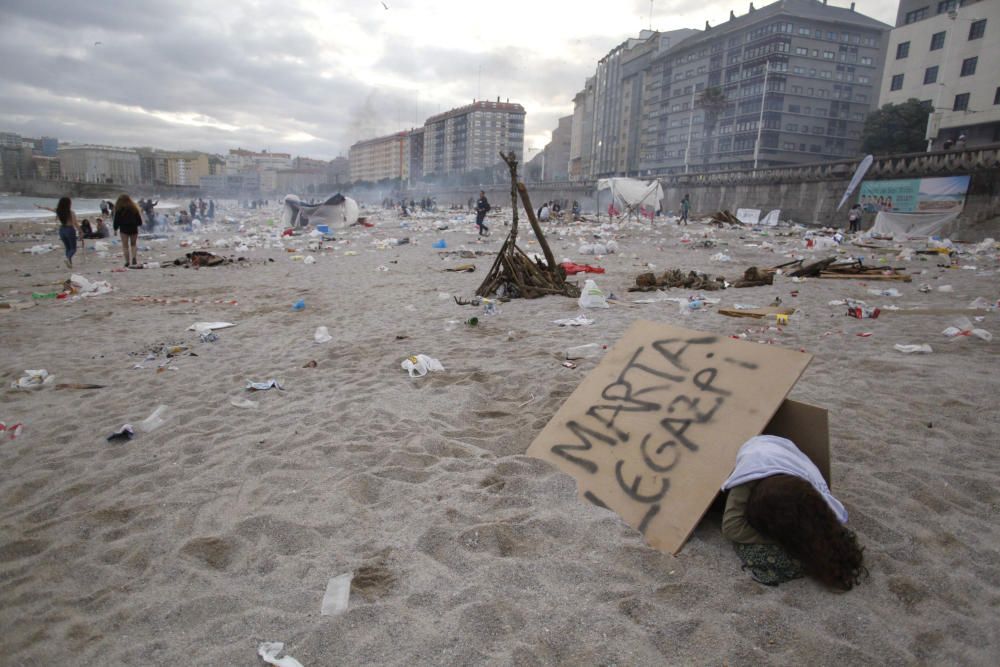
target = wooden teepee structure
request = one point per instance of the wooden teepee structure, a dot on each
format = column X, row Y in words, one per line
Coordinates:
column 514, row 274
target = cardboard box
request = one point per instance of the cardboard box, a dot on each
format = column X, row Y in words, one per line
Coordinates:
column 652, row 432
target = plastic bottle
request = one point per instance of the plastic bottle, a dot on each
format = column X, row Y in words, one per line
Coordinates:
column 585, row 351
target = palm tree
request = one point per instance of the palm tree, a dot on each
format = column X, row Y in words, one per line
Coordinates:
column 713, row 102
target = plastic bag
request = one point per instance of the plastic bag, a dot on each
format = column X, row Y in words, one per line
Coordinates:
column 914, row 349
column 322, row 335
column 155, row 420
column 418, row 365
column 578, row 321
column 592, row 297
column 963, row 327
column 33, row 379
column 268, row 652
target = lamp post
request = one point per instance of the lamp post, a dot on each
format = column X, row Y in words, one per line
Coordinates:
column 760, row 121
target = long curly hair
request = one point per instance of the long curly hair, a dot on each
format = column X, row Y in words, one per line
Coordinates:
column 124, row 202
column 788, row 510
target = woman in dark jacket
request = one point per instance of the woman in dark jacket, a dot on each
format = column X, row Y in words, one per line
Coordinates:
column 126, row 222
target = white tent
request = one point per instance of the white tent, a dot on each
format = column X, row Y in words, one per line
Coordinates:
column 631, row 194
column 903, row 225
column 338, row 210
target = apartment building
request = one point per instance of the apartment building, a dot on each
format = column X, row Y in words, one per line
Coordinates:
column 471, row 137
column 947, row 52
column 100, row 164
column 797, row 79
column 240, row 161
column 381, row 158
column 582, row 132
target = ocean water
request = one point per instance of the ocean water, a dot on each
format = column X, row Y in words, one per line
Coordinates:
column 16, row 207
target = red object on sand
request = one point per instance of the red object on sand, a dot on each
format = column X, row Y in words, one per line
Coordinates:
column 288, row 232
column 573, row 269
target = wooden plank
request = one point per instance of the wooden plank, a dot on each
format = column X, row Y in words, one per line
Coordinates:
column 757, row 313
column 865, row 276
column 652, row 432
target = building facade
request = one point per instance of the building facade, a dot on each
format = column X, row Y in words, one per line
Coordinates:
column 100, row 164
column 557, row 151
column 472, row 137
column 947, row 52
column 381, row 158
column 240, row 161
column 796, row 78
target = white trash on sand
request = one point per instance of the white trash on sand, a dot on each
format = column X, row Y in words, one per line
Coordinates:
column 913, row 349
column 33, row 379
column 591, row 296
column 580, row 320
column 268, row 652
column 337, row 595
column 322, row 335
column 418, row 365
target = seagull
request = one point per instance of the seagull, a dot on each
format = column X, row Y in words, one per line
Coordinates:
column 385, row 5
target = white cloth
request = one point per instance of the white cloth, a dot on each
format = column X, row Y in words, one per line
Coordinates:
column 903, row 225
column 766, row 455
column 633, row 193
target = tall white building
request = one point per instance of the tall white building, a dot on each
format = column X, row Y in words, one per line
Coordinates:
column 471, row 137
column 947, row 52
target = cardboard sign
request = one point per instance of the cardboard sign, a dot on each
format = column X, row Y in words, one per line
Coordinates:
column 653, row 431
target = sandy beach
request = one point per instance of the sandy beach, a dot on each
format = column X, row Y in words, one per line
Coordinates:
column 195, row 542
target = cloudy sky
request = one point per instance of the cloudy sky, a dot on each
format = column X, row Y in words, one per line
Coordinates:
column 309, row 77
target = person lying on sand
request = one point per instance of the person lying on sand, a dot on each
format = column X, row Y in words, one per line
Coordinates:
column 778, row 498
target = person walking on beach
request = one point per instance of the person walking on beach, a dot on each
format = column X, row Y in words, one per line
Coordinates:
column 211, row 209
column 126, row 222
column 685, row 210
column 69, row 228
column 854, row 218
column 482, row 208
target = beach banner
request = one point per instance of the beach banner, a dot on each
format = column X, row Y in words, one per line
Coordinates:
column 859, row 174
column 915, row 195
column 653, row 430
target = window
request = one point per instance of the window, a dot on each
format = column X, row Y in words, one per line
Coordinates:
column 961, row 102
column 996, row 96
column 930, row 75
column 794, row 108
column 977, row 29
column 915, row 15
column 864, row 79
column 828, row 55
column 897, row 82
column 902, row 50
column 801, row 51
column 866, row 60
column 937, row 41
column 804, row 30
column 947, row 6
column 969, row 66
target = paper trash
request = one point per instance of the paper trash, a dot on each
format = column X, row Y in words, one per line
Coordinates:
column 914, row 349
column 209, row 326
column 338, row 593
column 268, row 652
column 155, row 420
column 264, row 386
column 578, row 321
column 33, row 379
column 418, row 365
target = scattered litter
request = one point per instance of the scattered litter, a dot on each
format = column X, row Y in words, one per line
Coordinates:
column 864, row 334
column 382, row 267
column 963, row 327
column 569, row 364
column 913, row 349
column 154, row 421
column 125, row 433
column 924, row 288
column 268, row 652
column 299, row 305
column 946, row 288
column 578, row 321
column 721, row 257
column 322, row 335
column 78, row 385
column 84, row 287
column 209, row 326
column 591, row 296
column 436, row 244
column 39, row 249
column 12, row 431
column 891, row 292
column 264, row 386
column 861, row 310
column 309, row 260
column 462, row 268
column 238, row 402
column 310, row 364
column 572, row 269
column 33, row 379
column 337, row 595
column 418, row 365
